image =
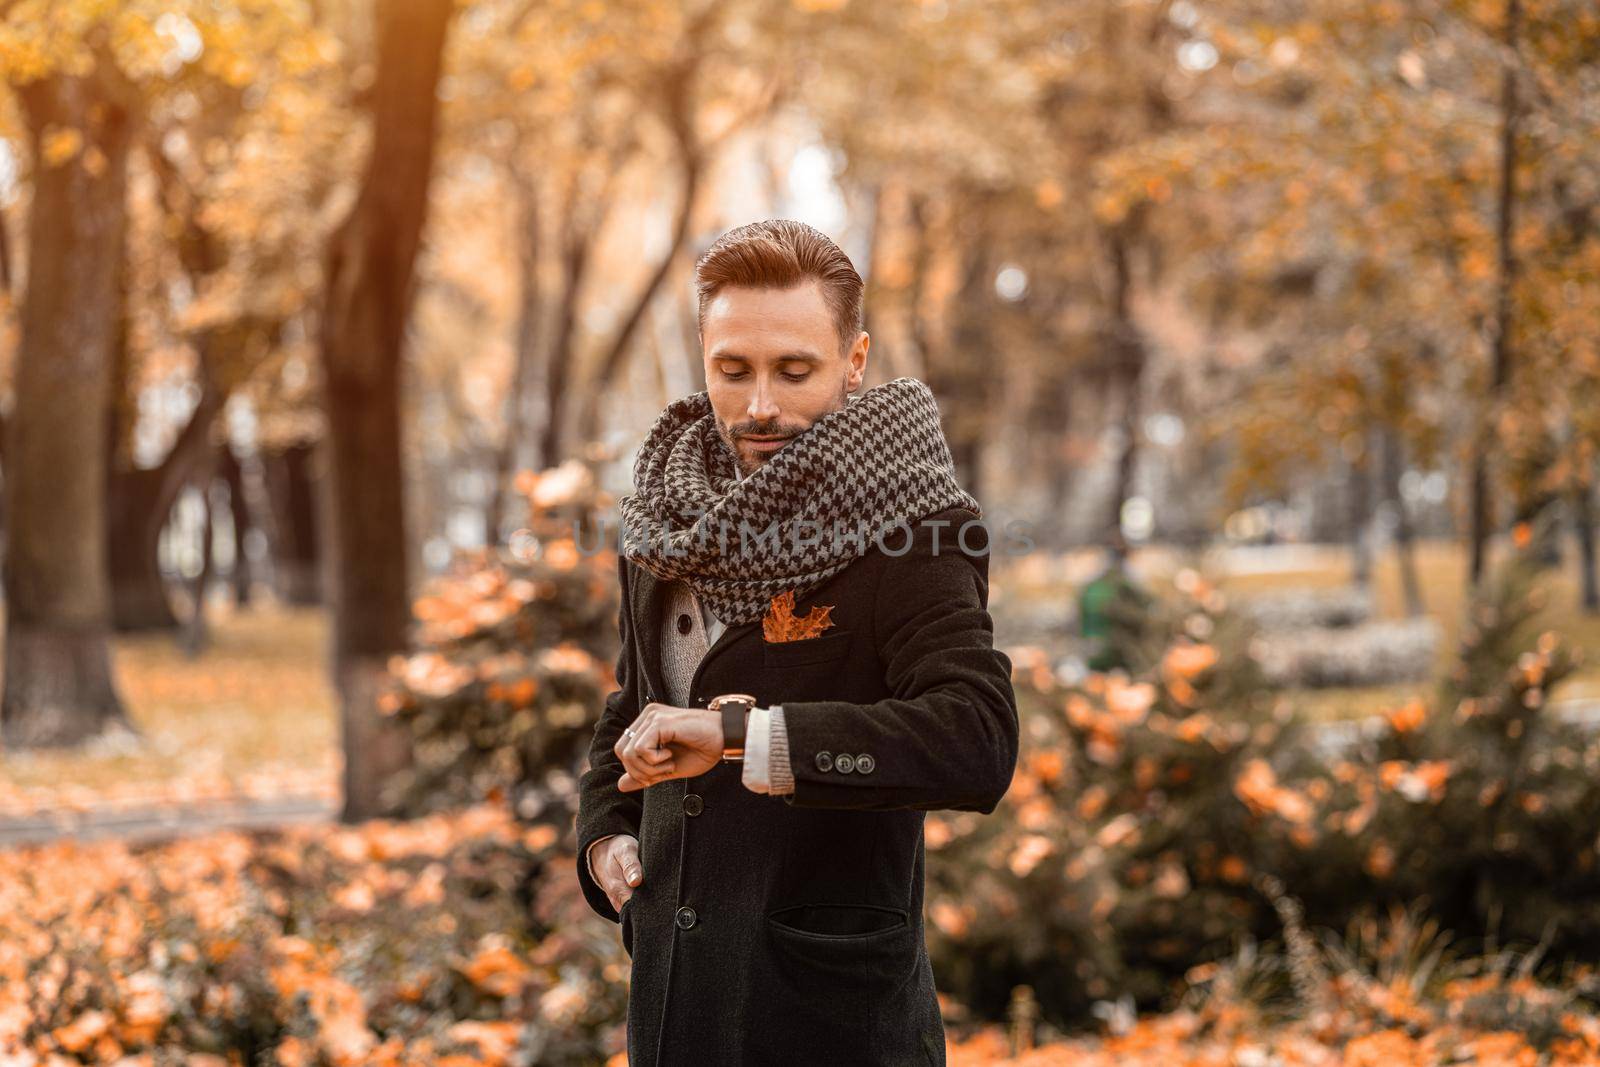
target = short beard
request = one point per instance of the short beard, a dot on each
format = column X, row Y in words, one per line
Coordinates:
column 749, row 466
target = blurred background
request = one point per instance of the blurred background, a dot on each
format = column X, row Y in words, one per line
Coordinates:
column 329, row 327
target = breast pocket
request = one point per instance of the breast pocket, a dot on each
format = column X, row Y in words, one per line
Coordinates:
column 807, row 651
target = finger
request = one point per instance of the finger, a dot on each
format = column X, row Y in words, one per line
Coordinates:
column 648, row 761
column 626, row 749
column 629, row 783
column 634, row 762
column 629, row 754
column 625, row 740
column 627, row 867
column 657, row 773
column 654, row 755
column 649, row 739
column 628, row 856
column 631, row 733
column 644, row 727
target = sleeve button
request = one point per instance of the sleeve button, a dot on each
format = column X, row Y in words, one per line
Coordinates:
column 865, row 763
column 844, row 763
column 824, row 761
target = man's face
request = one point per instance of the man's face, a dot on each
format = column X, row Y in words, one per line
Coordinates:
column 774, row 366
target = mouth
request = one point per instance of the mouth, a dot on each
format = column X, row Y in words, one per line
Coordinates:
column 765, row 444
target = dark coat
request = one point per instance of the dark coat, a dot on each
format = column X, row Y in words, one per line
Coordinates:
column 789, row 929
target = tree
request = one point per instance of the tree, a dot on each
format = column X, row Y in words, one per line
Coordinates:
column 59, row 685
column 368, row 285
column 92, row 80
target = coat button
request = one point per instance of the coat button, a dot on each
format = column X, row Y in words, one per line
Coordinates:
column 824, row 761
column 865, row 763
column 844, row 763
column 684, row 625
column 686, row 917
column 692, row 804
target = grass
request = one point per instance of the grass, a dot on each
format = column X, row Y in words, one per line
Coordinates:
column 254, row 715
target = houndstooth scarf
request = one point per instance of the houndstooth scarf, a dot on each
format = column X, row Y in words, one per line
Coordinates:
column 854, row 474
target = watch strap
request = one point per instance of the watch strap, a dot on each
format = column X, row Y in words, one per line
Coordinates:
column 733, row 724
column 735, row 709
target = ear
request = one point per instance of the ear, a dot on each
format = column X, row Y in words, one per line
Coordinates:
column 858, row 361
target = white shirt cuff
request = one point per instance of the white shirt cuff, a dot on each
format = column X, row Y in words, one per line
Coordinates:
column 766, row 752
column 756, row 736
column 780, row 772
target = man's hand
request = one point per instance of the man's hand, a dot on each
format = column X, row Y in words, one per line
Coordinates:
column 616, row 867
column 669, row 742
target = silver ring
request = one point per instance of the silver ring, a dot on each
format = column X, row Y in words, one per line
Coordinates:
column 627, row 731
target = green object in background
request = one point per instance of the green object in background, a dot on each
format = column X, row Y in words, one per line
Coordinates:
column 1111, row 611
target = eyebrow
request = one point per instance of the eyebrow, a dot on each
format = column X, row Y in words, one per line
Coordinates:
column 804, row 357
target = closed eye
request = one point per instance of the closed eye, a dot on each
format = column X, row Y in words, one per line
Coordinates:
column 741, row 375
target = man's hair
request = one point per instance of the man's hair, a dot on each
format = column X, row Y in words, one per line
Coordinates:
column 780, row 254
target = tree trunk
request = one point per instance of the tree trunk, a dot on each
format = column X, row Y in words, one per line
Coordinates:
column 59, row 688
column 621, row 344
column 918, row 328
column 134, row 523
column 232, row 472
column 1130, row 358
column 1053, row 429
column 1583, row 527
column 962, row 380
column 584, row 207
column 562, row 353
column 1394, row 466
column 1500, row 367
column 529, row 318
column 892, row 358
column 688, row 320
column 292, row 479
column 370, row 264
column 195, row 633
column 1359, row 500
column 140, row 502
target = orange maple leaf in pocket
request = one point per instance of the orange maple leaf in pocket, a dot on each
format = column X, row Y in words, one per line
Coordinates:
column 780, row 623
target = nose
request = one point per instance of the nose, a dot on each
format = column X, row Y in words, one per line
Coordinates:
column 762, row 406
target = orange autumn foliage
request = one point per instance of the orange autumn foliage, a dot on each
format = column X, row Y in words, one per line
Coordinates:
column 781, row 624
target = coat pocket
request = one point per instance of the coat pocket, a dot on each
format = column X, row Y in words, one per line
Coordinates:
column 861, row 947
column 845, row 977
column 828, row 647
column 837, row 920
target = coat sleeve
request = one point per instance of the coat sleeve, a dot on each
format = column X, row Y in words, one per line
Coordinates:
column 603, row 809
column 947, row 738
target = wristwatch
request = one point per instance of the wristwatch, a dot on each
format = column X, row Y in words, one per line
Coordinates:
column 735, row 709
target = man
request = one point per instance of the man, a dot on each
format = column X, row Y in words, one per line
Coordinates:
column 772, row 905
